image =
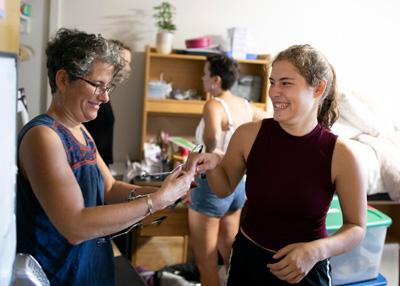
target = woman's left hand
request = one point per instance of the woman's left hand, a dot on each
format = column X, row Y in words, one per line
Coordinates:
column 297, row 260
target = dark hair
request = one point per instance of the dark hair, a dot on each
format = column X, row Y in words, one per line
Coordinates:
column 314, row 67
column 226, row 68
column 76, row 51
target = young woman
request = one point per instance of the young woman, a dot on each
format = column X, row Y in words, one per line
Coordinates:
column 294, row 165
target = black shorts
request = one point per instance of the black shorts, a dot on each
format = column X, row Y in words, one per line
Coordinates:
column 248, row 266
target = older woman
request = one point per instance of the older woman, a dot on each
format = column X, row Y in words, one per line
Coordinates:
column 68, row 204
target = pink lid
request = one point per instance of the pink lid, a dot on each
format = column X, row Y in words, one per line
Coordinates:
column 203, row 42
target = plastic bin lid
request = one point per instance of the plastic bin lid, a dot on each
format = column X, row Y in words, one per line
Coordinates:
column 375, row 218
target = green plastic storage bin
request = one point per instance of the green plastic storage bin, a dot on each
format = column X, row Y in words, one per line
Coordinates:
column 362, row 263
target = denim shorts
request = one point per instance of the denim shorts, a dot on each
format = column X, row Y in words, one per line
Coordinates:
column 206, row 202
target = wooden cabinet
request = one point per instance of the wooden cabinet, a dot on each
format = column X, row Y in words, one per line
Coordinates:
column 180, row 117
column 156, row 246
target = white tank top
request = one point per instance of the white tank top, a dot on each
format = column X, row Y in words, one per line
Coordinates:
column 226, row 134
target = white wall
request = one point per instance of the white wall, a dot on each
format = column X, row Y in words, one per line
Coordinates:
column 33, row 73
column 360, row 37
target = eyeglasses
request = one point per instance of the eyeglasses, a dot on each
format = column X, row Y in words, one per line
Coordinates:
column 139, row 224
column 99, row 88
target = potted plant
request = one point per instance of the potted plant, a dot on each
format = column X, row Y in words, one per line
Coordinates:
column 164, row 16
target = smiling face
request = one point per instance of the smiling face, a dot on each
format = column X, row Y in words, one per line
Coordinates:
column 293, row 99
column 79, row 102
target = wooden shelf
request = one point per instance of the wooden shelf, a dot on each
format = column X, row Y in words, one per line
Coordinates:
column 175, row 107
column 178, row 56
column 180, row 107
column 184, row 72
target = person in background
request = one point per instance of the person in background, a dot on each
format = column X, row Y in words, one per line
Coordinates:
column 102, row 128
column 294, row 165
column 68, row 204
column 214, row 221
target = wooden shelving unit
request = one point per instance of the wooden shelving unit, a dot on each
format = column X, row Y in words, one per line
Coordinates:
column 180, row 117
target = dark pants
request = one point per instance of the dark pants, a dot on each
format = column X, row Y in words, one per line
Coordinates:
column 248, row 266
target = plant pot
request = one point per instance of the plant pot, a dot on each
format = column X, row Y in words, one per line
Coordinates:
column 164, row 42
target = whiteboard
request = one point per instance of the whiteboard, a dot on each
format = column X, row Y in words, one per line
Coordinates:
column 8, row 95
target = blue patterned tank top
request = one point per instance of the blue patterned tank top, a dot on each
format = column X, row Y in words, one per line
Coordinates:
column 88, row 263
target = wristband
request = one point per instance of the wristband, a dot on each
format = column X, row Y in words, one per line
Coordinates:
column 149, row 202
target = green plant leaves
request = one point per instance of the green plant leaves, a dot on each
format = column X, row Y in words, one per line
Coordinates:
column 164, row 15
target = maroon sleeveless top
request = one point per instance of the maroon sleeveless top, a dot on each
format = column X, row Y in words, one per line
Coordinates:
column 288, row 186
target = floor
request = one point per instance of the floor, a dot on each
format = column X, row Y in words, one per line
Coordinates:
column 390, row 264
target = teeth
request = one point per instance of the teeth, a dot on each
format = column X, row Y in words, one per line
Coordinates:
column 281, row 105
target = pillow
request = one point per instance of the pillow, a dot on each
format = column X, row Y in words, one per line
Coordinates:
column 369, row 165
column 383, row 115
column 353, row 110
column 345, row 129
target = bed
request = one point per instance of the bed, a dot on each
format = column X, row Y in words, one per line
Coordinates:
column 374, row 135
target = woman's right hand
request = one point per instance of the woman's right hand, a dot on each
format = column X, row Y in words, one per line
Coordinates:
column 175, row 186
column 202, row 162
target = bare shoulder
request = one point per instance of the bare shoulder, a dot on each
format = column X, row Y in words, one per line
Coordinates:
column 212, row 104
column 211, row 108
column 40, row 135
column 40, row 144
column 344, row 149
column 344, row 160
column 249, row 128
column 245, row 135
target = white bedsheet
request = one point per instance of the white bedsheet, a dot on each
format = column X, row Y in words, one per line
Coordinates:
column 376, row 140
column 370, row 166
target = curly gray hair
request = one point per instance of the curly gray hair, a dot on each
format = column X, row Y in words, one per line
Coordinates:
column 75, row 52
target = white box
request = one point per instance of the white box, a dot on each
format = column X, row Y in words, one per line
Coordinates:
column 238, row 41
